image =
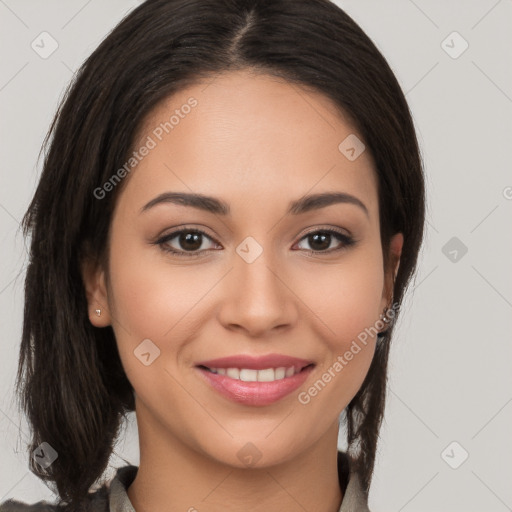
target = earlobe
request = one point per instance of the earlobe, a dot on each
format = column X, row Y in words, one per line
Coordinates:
column 97, row 296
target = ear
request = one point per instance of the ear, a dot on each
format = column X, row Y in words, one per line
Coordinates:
column 96, row 291
column 395, row 251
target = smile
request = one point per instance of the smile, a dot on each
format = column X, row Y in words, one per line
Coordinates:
column 250, row 375
column 255, row 387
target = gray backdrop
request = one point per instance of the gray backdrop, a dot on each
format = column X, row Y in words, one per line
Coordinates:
column 446, row 443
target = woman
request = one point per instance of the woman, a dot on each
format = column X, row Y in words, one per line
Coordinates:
column 230, row 210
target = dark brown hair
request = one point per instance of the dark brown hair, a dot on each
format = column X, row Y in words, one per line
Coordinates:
column 72, row 385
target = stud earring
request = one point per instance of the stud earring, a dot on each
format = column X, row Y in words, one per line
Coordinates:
column 386, row 319
column 98, row 312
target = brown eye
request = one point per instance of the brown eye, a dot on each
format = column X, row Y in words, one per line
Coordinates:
column 187, row 242
column 190, row 241
column 321, row 240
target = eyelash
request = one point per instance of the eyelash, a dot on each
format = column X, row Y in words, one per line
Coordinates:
column 346, row 240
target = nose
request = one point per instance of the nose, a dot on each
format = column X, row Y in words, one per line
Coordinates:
column 257, row 299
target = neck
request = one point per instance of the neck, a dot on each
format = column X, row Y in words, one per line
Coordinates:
column 173, row 477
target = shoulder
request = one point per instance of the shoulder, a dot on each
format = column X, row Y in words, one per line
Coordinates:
column 354, row 498
column 20, row 506
column 109, row 496
column 97, row 501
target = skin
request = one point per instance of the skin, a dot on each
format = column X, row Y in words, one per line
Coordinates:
column 257, row 143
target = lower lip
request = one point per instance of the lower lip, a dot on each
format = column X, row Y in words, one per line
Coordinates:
column 255, row 393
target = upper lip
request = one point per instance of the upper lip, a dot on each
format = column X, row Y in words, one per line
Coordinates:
column 256, row 362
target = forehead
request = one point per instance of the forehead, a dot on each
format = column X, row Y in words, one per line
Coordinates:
column 250, row 134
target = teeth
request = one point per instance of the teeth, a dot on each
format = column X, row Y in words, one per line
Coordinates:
column 280, row 373
column 249, row 375
column 267, row 375
column 233, row 373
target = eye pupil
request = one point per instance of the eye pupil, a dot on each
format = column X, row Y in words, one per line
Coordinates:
column 322, row 237
column 190, row 238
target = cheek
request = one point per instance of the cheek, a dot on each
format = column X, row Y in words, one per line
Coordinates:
column 345, row 303
column 154, row 300
column 345, row 297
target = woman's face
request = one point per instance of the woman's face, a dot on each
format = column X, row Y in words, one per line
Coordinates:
column 250, row 285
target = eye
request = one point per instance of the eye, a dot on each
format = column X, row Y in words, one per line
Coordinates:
column 189, row 242
column 320, row 240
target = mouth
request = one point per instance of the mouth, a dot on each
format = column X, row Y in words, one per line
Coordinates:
column 255, row 387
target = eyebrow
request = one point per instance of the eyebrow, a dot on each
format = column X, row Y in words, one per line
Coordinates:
column 217, row 206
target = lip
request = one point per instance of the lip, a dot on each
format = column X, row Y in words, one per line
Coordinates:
column 256, row 362
column 255, row 393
